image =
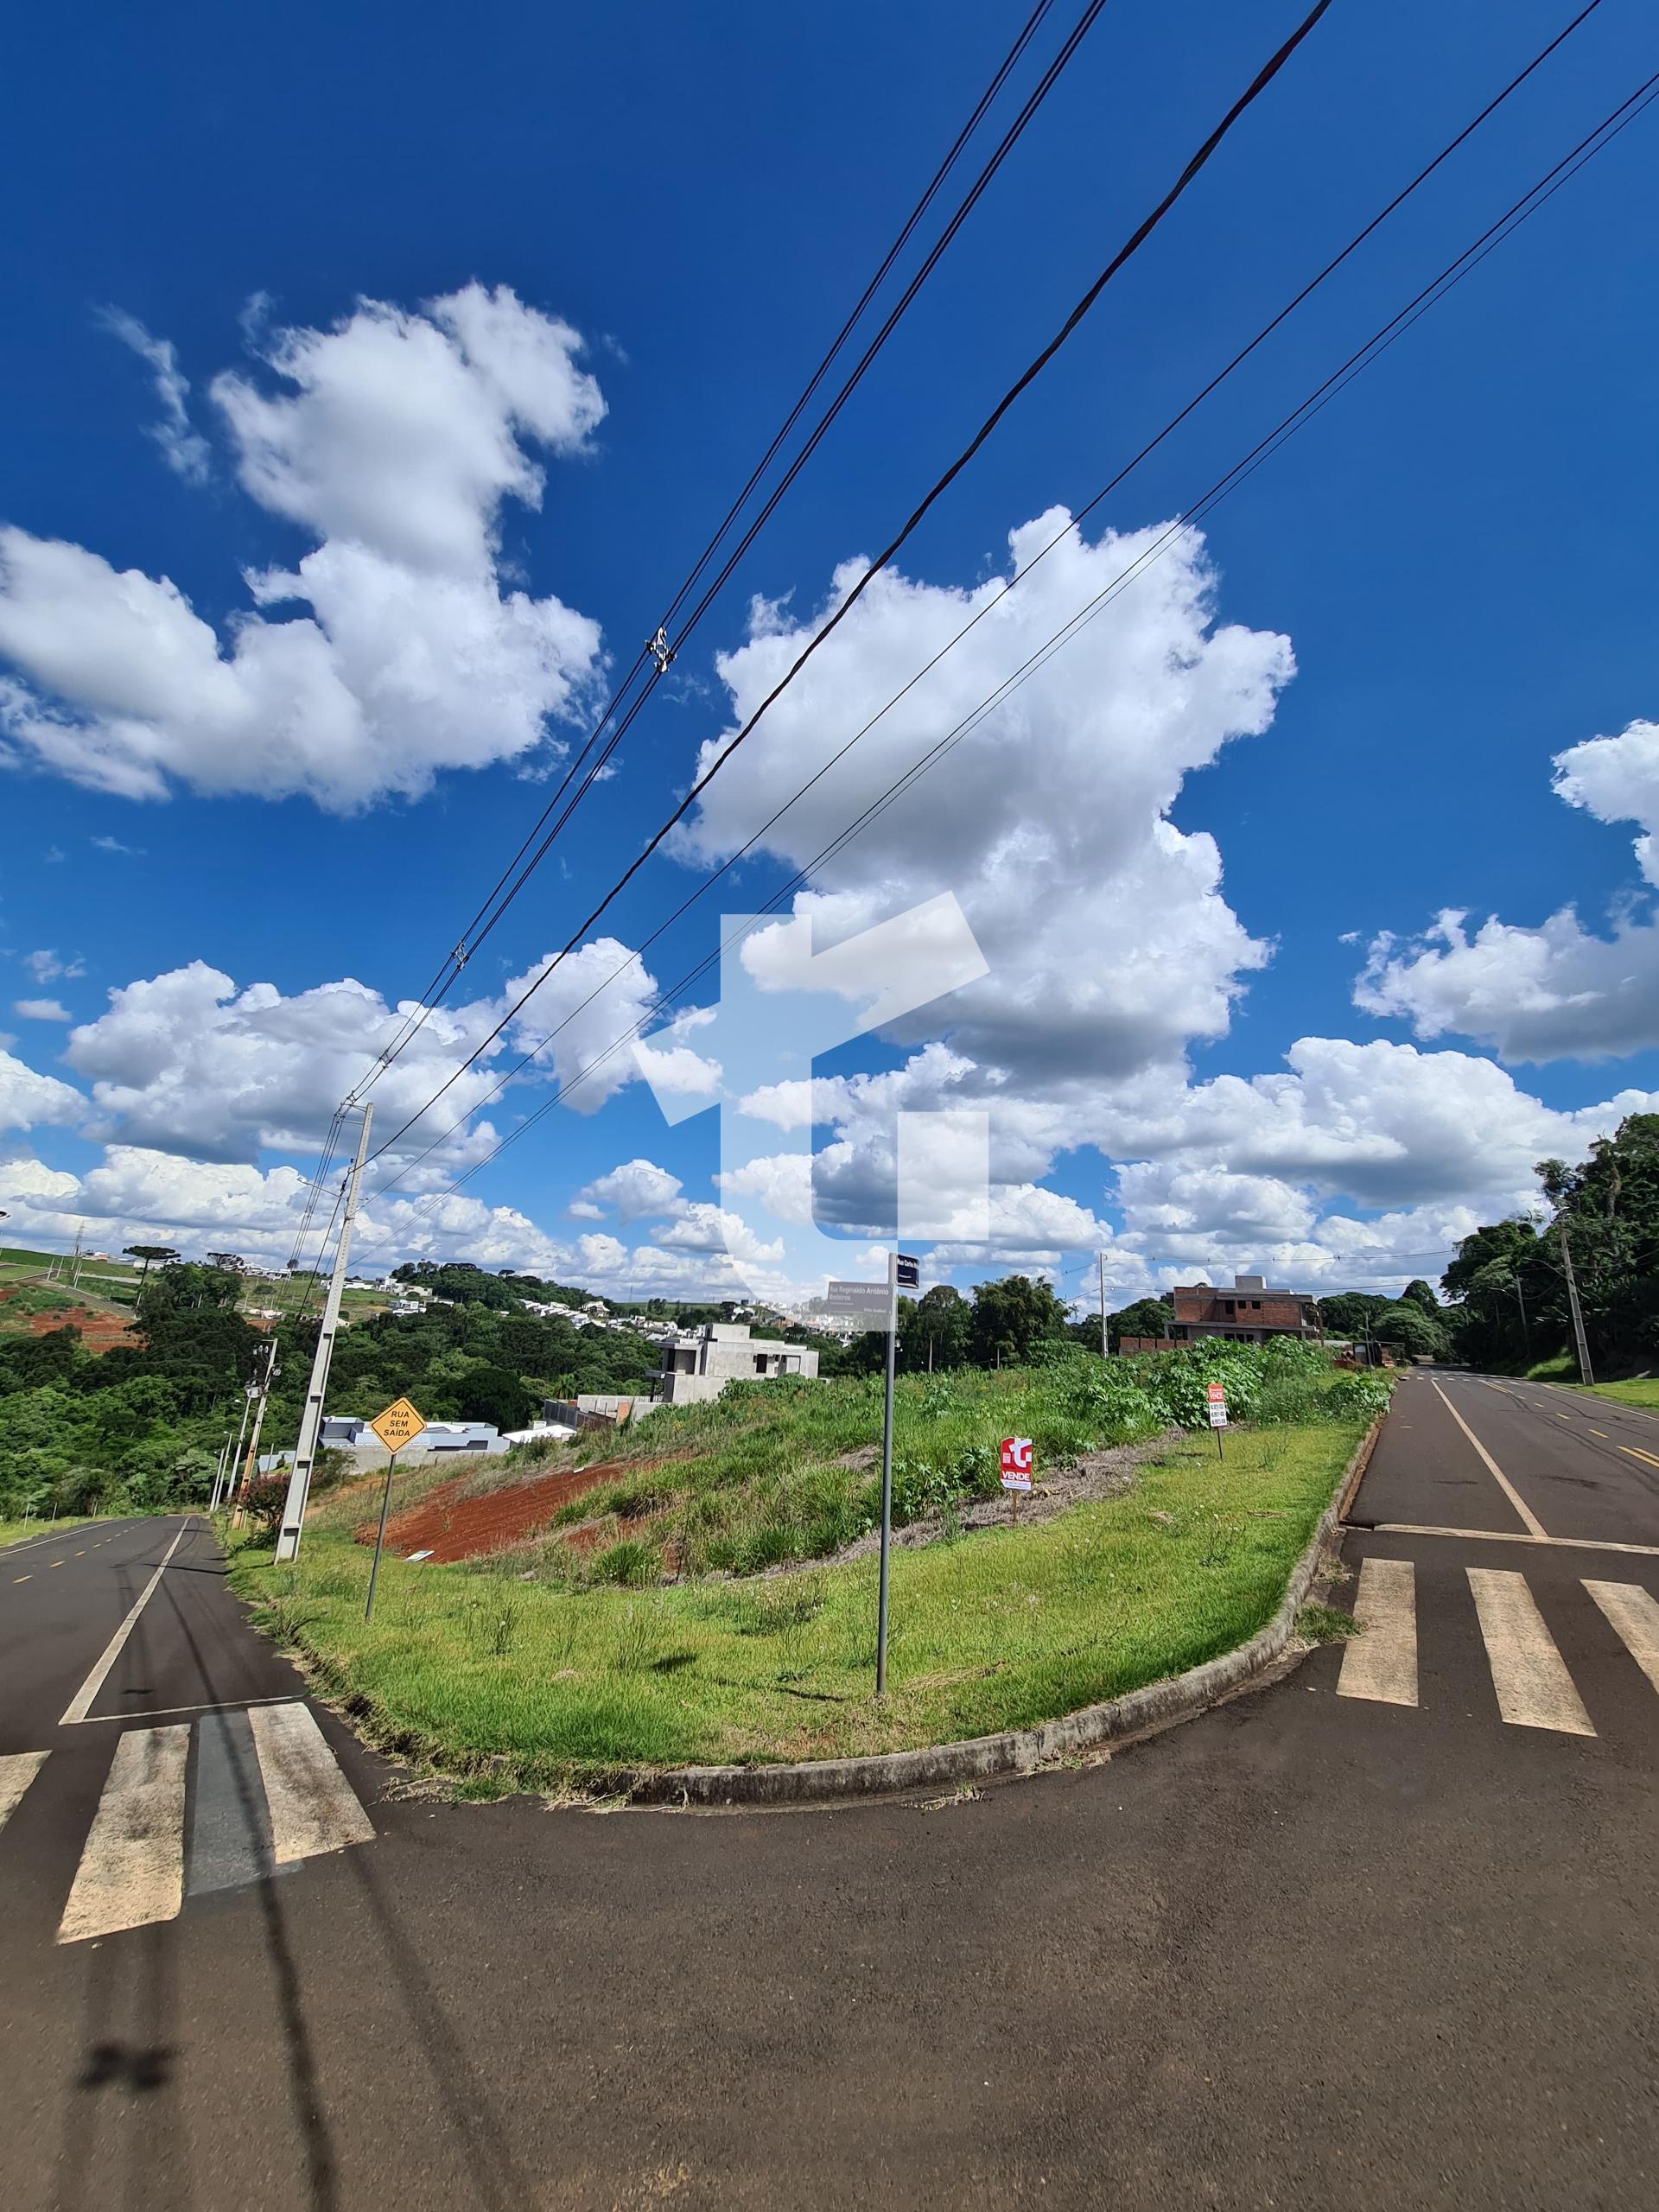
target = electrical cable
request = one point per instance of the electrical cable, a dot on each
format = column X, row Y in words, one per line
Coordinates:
column 1264, row 77
column 1060, row 538
column 1362, row 358
column 508, row 886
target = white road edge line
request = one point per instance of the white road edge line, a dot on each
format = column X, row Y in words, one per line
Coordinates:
column 94, row 1682
column 1535, row 1526
column 212, row 1705
column 1502, row 1537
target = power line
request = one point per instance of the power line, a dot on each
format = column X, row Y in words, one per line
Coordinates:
column 1137, row 237
column 656, row 654
column 1616, row 121
column 1106, row 489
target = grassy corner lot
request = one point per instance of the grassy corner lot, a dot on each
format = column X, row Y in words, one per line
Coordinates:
column 519, row 1684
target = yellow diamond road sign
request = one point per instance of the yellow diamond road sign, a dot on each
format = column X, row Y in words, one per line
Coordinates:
column 396, row 1425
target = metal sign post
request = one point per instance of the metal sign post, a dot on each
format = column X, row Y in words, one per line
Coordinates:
column 395, row 1427
column 901, row 1268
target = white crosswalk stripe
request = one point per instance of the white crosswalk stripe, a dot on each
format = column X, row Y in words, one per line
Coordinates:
column 312, row 1807
column 1381, row 1664
column 265, row 1793
column 1634, row 1614
column 131, row 1870
column 1528, row 1674
column 1531, row 1683
column 17, row 1771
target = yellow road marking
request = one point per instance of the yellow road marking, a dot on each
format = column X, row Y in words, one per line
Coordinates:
column 1634, row 1614
column 1534, row 1524
column 57, row 1562
column 1381, row 1664
column 1601, row 1432
column 1528, row 1674
column 20, row 1578
column 1637, row 1454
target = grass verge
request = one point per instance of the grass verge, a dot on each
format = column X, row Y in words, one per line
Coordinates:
column 15, row 1532
column 1643, row 1391
column 520, row 1684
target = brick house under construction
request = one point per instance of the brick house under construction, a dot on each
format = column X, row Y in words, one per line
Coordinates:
column 1250, row 1310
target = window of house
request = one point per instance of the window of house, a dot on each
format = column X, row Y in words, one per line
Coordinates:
column 759, row 1362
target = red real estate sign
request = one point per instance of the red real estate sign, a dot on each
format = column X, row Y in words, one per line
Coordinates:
column 1016, row 1463
column 1217, row 1396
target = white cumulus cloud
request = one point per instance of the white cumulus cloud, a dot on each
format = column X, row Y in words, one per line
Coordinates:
column 392, row 439
column 1554, row 990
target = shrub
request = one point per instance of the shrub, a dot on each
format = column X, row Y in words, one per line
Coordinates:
column 631, row 1561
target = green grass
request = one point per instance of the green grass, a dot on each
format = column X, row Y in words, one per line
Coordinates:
column 519, row 1684
column 1643, row 1391
column 1326, row 1623
column 14, row 1532
column 1561, row 1367
column 23, row 1302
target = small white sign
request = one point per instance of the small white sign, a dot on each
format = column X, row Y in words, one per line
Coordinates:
column 1217, row 1398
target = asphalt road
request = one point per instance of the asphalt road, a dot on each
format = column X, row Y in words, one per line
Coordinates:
column 1381, row 1947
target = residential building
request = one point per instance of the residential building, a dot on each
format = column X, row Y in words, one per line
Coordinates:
column 1251, row 1312
column 439, row 1440
column 699, row 1365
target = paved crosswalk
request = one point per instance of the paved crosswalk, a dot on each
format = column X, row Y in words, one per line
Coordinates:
column 1531, row 1683
column 264, row 1793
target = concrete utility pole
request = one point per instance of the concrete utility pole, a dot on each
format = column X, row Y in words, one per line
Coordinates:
column 1579, row 1337
column 305, row 1451
column 252, row 1460
column 228, row 1464
column 1105, row 1348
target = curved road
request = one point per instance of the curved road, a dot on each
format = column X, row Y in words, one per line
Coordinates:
column 1380, row 1934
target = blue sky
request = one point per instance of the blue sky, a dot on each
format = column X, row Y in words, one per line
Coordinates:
column 1457, row 550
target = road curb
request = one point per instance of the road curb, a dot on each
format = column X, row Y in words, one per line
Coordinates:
column 1020, row 1751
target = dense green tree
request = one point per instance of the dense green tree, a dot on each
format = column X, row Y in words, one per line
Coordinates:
column 1010, row 1318
column 1404, row 1327
column 934, row 1330
column 1146, row 1317
column 1421, row 1294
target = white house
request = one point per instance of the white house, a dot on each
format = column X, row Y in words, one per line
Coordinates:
column 699, row 1366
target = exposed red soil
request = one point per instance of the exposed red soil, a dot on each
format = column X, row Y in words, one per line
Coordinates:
column 451, row 1527
column 99, row 1332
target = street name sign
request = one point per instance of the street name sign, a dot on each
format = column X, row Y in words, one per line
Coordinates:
column 397, row 1424
column 907, row 1271
column 1016, row 1463
column 857, row 1298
